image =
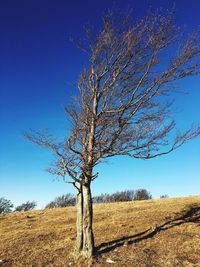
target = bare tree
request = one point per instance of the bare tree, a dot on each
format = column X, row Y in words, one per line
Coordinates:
column 5, row 205
column 142, row 194
column 122, row 107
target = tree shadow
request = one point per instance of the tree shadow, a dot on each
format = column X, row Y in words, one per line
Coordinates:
column 188, row 215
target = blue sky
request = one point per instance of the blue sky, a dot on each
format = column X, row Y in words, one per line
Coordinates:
column 38, row 69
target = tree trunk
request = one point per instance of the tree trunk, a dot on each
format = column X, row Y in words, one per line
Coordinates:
column 85, row 239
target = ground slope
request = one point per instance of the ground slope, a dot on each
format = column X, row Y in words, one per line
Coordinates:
column 152, row 233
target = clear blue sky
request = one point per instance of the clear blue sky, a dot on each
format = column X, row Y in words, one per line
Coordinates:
column 38, row 69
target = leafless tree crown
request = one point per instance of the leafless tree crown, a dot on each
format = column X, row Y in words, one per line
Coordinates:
column 122, row 106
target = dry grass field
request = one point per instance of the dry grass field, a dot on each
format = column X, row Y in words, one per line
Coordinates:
column 152, row 233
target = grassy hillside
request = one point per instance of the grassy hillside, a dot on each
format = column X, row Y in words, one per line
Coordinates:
column 162, row 233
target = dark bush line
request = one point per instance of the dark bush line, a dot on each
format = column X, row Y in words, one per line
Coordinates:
column 122, row 196
column 62, row 201
column 6, row 206
column 70, row 200
column 29, row 205
column 164, row 196
column 142, row 194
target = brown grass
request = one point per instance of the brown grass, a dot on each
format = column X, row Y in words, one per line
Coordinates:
column 152, row 233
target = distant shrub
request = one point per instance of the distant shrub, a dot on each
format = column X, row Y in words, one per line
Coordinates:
column 142, row 194
column 29, row 205
column 62, row 201
column 164, row 196
column 127, row 195
column 5, row 205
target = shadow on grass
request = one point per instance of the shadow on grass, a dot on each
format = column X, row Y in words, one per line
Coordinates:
column 188, row 215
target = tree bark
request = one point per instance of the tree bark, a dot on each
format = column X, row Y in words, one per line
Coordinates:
column 79, row 221
column 85, row 238
column 88, row 237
